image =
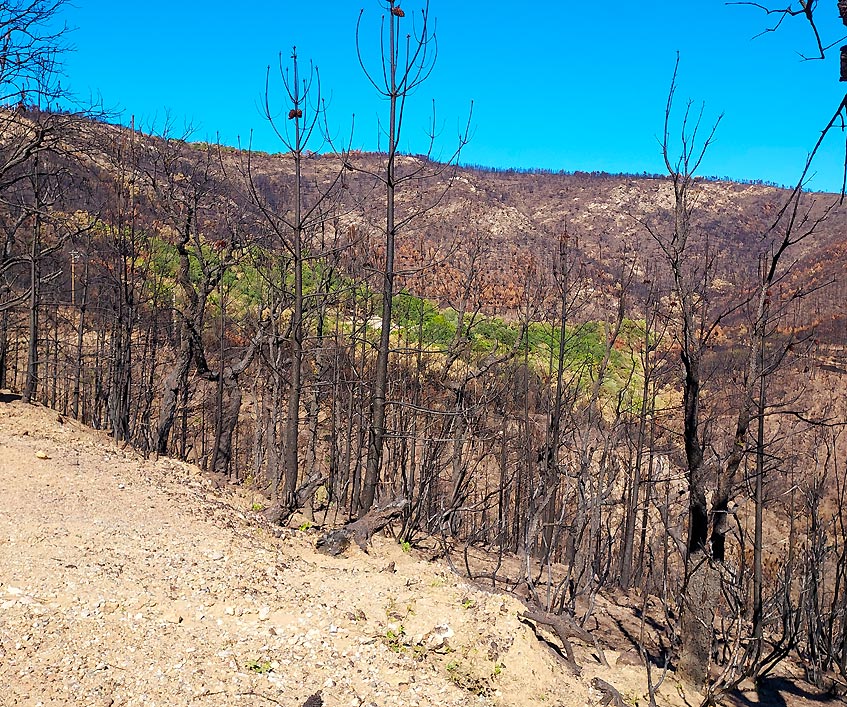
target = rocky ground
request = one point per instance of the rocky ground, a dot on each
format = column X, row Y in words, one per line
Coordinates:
column 132, row 582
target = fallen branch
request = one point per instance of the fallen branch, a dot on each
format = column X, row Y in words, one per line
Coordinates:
column 278, row 514
column 566, row 628
column 568, row 659
column 335, row 542
column 611, row 697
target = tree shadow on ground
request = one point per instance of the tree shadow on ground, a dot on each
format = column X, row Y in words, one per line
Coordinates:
column 656, row 654
column 9, row 397
column 782, row 692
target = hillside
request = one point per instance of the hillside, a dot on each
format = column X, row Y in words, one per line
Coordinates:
column 577, row 386
column 133, row 582
column 504, row 225
column 128, row 582
column 511, row 222
column 507, row 223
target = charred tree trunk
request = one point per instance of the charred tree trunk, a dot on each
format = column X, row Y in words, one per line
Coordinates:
column 230, row 409
column 175, row 382
column 228, row 419
column 362, row 530
column 80, row 334
column 700, row 597
column 4, row 348
column 291, row 463
column 121, row 377
column 32, row 362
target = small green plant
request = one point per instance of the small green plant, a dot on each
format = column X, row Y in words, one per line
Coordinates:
column 391, row 610
column 257, row 507
column 304, row 526
column 394, row 638
column 393, row 613
column 498, row 668
column 357, row 615
column 406, row 546
column 262, row 667
column 463, row 678
column 468, row 603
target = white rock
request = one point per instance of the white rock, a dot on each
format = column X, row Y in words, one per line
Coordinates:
column 438, row 636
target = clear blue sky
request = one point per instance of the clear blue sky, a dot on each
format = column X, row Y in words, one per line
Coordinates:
column 559, row 85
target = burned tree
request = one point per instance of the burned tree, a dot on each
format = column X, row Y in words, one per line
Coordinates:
column 713, row 460
column 294, row 222
column 405, row 65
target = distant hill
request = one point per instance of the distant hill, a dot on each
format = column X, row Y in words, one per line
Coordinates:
column 515, row 219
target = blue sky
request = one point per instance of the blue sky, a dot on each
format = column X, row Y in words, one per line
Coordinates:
column 563, row 85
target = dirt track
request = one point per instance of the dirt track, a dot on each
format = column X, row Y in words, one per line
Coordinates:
column 133, row 582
